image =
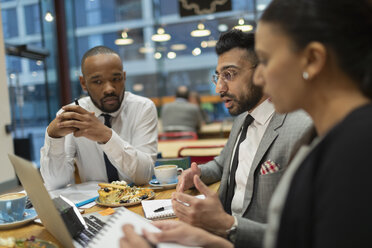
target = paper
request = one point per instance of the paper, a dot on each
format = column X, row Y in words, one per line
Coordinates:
column 77, row 192
column 150, row 206
column 110, row 235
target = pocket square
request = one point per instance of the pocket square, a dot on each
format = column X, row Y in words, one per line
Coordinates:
column 269, row 167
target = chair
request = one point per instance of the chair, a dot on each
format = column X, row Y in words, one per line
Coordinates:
column 183, row 162
column 168, row 136
column 200, row 154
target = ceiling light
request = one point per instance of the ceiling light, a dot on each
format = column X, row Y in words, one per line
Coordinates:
column 171, row 55
column 146, row 49
column 223, row 27
column 196, row 51
column 124, row 40
column 39, row 62
column 208, row 43
column 261, row 7
column 160, row 36
column 243, row 27
column 49, row 17
column 157, row 55
column 178, row 47
column 200, row 32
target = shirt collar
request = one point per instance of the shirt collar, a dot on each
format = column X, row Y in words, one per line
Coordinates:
column 263, row 112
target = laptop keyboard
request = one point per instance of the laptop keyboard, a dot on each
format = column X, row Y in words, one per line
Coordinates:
column 94, row 226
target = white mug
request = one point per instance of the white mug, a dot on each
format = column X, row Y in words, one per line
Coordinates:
column 167, row 174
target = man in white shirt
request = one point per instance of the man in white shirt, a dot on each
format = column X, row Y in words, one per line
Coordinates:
column 111, row 135
column 254, row 158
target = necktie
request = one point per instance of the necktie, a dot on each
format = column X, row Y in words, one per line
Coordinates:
column 112, row 172
column 231, row 188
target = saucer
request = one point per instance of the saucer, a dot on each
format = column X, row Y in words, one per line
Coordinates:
column 29, row 215
column 164, row 186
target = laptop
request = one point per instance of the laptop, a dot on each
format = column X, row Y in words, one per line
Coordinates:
column 31, row 181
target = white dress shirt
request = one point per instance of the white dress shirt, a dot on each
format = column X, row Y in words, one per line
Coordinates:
column 132, row 148
column 262, row 115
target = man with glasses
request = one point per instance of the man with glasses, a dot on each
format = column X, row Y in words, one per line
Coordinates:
column 259, row 148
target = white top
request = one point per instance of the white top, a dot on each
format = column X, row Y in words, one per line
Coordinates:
column 262, row 115
column 132, row 148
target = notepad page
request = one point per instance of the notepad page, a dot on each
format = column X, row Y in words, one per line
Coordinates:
column 151, row 205
column 110, row 235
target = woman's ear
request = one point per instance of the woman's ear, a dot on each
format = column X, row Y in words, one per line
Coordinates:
column 315, row 57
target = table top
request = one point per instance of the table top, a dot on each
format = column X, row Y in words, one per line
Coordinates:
column 216, row 128
column 40, row 232
column 169, row 149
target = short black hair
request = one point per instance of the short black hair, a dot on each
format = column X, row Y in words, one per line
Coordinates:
column 95, row 51
column 236, row 38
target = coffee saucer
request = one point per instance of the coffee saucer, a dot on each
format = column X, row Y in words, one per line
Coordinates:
column 29, row 215
column 155, row 183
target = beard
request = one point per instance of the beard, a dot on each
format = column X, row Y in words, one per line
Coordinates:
column 245, row 102
column 108, row 108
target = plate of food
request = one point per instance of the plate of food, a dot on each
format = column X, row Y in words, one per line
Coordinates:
column 118, row 193
column 21, row 243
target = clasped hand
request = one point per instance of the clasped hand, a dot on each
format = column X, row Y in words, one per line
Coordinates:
column 81, row 123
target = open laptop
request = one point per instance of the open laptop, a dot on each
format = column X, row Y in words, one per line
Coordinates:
column 46, row 210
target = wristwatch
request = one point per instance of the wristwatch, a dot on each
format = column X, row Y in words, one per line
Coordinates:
column 232, row 231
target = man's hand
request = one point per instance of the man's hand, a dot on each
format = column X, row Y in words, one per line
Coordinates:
column 206, row 213
column 186, row 179
column 81, row 123
column 184, row 234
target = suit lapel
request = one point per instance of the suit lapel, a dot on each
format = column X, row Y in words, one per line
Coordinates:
column 232, row 140
column 268, row 138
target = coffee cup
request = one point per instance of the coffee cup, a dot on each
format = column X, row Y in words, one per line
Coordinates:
column 167, row 174
column 12, row 206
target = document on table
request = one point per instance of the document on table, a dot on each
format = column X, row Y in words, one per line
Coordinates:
column 78, row 193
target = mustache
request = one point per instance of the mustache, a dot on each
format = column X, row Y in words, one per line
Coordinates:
column 110, row 96
column 222, row 95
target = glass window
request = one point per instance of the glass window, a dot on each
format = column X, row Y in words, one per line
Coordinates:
column 32, row 19
column 10, row 23
column 95, row 12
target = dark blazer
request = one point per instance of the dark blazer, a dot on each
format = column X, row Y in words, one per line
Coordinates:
column 281, row 140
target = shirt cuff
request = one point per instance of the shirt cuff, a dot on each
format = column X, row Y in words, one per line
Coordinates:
column 54, row 145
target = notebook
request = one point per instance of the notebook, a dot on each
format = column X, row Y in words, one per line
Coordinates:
column 150, row 206
column 160, row 209
column 111, row 233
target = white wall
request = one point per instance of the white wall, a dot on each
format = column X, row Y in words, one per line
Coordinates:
column 6, row 142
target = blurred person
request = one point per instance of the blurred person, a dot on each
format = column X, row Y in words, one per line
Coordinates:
column 181, row 115
column 249, row 168
column 111, row 136
column 317, row 55
column 194, row 98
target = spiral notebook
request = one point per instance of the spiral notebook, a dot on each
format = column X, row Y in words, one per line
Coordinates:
column 164, row 208
column 111, row 233
column 160, row 209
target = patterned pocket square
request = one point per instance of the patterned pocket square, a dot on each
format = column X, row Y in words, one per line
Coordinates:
column 269, row 167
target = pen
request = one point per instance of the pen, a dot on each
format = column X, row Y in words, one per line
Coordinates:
column 161, row 209
column 76, row 102
column 79, row 204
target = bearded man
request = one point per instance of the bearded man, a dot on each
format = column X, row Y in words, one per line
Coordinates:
column 110, row 134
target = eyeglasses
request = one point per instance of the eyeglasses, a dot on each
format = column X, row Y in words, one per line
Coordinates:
column 227, row 76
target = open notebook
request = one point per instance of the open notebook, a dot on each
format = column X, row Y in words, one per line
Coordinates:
column 111, row 233
column 160, row 209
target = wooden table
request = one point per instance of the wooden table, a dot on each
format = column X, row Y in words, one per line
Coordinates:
column 40, row 232
column 215, row 130
column 169, row 149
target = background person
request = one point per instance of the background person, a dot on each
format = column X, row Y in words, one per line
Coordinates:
column 181, row 115
column 194, row 98
column 112, row 135
column 317, row 55
column 239, row 210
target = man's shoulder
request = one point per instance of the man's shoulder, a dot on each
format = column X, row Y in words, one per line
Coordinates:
column 131, row 98
column 298, row 117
